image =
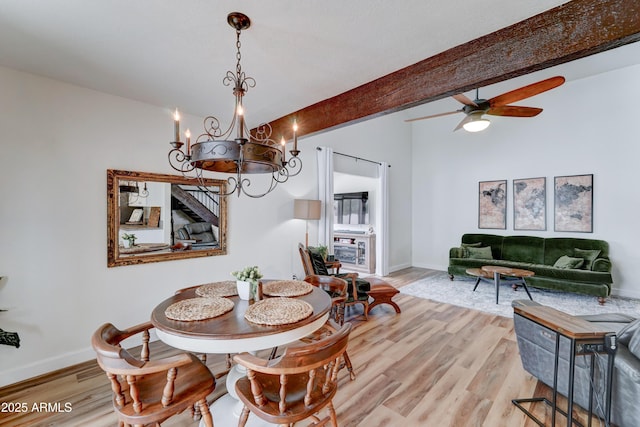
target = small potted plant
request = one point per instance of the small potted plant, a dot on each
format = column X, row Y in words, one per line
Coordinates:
column 323, row 251
column 247, row 281
column 129, row 240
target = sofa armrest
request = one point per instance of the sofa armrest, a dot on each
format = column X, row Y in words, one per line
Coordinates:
column 602, row 265
column 456, row 253
column 628, row 365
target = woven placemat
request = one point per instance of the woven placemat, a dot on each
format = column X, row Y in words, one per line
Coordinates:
column 198, row 309
column 286, row 288
column 227, row 288
column 278, row 311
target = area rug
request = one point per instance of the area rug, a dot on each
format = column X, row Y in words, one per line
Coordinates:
column 460, row 292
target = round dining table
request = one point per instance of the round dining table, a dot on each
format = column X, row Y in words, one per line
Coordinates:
column 232, row 333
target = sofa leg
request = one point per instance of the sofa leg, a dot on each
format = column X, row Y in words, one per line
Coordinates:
column 451, row 277
column 602, row 300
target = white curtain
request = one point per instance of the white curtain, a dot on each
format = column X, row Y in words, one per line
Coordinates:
column 382, row 213
column 325, row 194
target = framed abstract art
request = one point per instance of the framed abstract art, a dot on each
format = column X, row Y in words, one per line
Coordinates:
column 573, row 203
column 530, row 204
column 492, row 204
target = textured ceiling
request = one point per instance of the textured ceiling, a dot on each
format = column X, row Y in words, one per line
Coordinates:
column 175, row 54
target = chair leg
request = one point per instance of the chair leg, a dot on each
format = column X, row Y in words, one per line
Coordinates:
column 195, row 409
column 205, row 413
column 244, row 416
column 347, row 361
column 332, row 414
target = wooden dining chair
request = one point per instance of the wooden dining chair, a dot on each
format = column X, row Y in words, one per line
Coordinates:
column 296, row 385
column 357, row 291
column 150, row 391
column 337, row 290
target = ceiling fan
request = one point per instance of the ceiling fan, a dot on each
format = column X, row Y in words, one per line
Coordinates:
column 498, row 105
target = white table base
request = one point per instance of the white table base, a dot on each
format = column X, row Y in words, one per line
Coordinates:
column 227, row 409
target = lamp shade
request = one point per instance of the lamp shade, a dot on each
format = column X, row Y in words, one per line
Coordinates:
column 306, row 209
column 476, row 123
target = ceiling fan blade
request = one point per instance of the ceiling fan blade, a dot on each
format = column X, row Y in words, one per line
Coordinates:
column 464, row 100
column 468, row 118
column 432, row 116
column 526, row 91
column 514, row 111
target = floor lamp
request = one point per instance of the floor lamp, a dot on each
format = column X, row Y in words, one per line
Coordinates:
column 306, row 209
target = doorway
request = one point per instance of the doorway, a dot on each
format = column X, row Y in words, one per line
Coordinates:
column 367, row 174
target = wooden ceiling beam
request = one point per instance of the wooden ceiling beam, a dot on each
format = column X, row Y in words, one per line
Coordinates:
column 568, row 32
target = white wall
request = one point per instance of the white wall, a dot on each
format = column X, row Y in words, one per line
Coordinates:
column 588, row 126
column 58, row 140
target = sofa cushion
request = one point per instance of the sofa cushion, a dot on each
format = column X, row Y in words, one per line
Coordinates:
column 471, row 245
column 478, row 253
column 634, row 344
column 492, row 240
column 201, row 231
column 555, row 247
column 625, row 334
column 589, row 256
column 568, row 262
column 524, row 249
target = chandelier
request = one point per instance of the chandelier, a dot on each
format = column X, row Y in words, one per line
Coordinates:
column 236, row 150
column 133, row 190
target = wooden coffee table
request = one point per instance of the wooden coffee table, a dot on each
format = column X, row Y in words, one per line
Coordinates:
column 517, row 276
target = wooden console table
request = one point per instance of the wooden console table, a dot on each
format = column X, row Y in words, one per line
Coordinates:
column 585, row 338
column 356, row 251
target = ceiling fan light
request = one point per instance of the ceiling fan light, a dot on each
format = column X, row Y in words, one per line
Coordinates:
column 477, row 123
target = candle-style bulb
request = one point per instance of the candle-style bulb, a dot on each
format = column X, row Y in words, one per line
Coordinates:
column 284, row 149
column 187, row 134
column 176, row 126
column 295, row 136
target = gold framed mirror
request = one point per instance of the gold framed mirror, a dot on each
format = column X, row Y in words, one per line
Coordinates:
column 156, row 217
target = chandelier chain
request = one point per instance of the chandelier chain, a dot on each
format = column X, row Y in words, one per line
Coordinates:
column 238, row 54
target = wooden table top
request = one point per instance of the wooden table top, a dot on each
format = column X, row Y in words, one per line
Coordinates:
column 507, row 271
column 231, row 332
column 564, row 323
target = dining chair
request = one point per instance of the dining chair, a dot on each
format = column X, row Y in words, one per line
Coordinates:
column 357, row 291
column 149, row 391
column 337, row 290
column 296, row 385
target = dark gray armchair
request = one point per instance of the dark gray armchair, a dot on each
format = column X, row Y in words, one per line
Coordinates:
column 537, row 349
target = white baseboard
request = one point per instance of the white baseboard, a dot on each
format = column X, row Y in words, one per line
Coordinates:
column 430, row 266
column 625, row 293
column 45, row 366
column 65, row 360
column 394, row 268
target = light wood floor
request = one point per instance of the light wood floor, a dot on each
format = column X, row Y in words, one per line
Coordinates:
column 432, row 365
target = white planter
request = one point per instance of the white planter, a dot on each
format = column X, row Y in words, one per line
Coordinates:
column 126, row 243
column 244, row 289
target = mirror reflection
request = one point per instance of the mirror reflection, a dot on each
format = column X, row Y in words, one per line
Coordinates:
column 156, row 217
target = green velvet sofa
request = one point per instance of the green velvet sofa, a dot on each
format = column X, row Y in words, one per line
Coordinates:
column 538, row 254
